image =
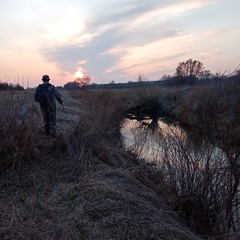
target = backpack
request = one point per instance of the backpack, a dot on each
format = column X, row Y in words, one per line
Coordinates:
column 44, row 95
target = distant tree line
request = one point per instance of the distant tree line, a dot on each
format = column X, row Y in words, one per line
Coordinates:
column 188, row 72
column 5, row 87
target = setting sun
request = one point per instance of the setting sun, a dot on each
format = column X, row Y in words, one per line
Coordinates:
column 78, row 74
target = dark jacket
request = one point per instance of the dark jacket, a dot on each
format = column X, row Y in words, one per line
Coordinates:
column 51, row 94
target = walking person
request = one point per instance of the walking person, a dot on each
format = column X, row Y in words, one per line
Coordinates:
column 45, row 95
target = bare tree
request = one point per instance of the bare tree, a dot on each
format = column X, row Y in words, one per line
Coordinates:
column 189, row 70
column 82, row 81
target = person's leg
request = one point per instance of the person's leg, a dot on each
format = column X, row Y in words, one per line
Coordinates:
column 52, row 121
column 45, row 114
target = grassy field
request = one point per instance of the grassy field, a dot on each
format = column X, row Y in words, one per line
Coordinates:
column 86, row 185
column 83, row 185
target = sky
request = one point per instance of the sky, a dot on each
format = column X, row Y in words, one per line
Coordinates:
column 114, row 40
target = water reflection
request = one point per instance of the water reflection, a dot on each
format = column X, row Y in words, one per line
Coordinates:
column 192, row 168
column 139, row 137
column 167, row 139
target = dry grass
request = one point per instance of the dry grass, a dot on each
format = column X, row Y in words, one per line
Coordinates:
column 17, row 127
column 200, row 169
column 83, row 185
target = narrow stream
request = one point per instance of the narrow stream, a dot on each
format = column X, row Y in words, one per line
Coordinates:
column 142, row 140
column 168, row 145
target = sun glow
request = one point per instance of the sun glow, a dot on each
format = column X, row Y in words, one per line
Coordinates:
column 78, row 74
column 64, row 28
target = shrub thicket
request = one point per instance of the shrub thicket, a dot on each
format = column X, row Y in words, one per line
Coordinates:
column 199, row 159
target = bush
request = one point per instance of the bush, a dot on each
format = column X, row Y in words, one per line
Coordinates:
column 211, row 114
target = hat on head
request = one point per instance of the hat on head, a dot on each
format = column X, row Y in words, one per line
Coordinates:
column 45, row 78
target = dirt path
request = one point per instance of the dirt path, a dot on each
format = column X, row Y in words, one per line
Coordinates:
column 70, row 117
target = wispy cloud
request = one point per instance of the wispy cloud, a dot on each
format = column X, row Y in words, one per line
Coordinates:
column 129, row 24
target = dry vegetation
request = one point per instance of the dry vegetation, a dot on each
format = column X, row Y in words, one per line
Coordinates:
column 83, row 185
column 201, row 169
column 87, row 185
column 212, row 113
